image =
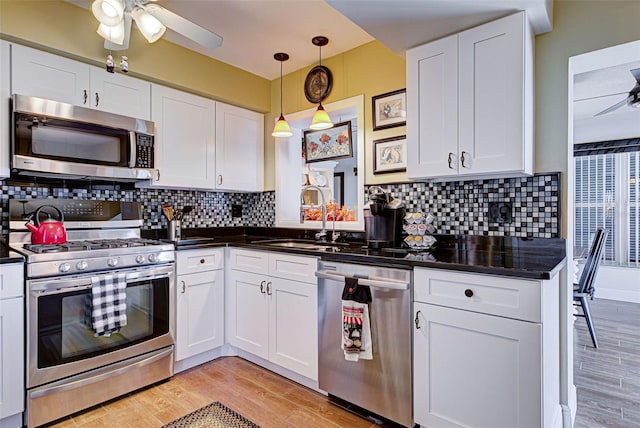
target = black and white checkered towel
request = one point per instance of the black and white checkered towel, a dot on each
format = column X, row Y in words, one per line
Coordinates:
column 108, row 304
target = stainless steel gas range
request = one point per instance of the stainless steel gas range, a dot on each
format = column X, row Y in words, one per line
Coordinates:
column 71, row 363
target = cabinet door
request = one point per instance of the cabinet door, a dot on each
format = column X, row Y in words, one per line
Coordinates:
column 475, row 370
column 11, row 357
column 239, row 149
column 432, row 109
column 41, row 74
column 185, row 138
column 248, row 312
column 293, row 326
column 492, row 112
column 117, row 93
column 5, row 93
column 200, row 313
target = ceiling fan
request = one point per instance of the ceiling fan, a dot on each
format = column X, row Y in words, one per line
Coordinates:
column 151, row 19
column 632, row 99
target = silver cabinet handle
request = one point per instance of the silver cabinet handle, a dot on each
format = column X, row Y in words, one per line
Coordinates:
column 262, row 286
column 219, row 179
column 158, row 172
column 85, row 96
column 417, row 320
column 269, row 289
column 97, row 99
column 370, row 282
column 184, row 287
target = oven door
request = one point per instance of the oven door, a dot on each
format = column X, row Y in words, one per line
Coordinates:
column 62, row 343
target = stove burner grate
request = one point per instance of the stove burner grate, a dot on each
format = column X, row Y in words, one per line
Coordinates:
column 98, row 244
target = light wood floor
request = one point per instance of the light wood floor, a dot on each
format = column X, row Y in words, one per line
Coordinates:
column 608, row 378
column 267, row 399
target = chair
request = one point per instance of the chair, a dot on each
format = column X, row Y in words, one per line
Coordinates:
column 584, row 288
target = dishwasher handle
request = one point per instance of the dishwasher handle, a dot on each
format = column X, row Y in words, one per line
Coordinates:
column 368, row 281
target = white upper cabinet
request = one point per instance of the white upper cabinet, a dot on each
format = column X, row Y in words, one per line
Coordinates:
column 41, row 74
column 470, row 103
column 185, row 139
column 239, row 149
column 5, row 93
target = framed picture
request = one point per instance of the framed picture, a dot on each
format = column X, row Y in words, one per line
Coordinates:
column 332, row 143
column 389, row 109
column 390, row 155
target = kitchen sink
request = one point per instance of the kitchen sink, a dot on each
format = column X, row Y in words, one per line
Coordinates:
column 302, row 244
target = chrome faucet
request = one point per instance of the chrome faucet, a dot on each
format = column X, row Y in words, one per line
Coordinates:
column 323, row 233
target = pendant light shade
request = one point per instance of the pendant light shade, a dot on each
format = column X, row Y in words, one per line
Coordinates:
column 321, row 119
column 282, row 128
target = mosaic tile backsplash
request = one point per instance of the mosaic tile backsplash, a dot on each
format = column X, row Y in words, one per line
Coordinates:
column 460, row 207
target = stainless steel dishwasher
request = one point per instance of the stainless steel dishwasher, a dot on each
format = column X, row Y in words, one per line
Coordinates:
column 382, row 385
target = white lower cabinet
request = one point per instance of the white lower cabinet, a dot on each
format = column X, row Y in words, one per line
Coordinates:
column 11, row 344
column 273, row 312
column 474, row 368
column 199, row 302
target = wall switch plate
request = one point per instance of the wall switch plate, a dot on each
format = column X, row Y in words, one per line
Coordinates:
column 500, row 212
column 236, row 210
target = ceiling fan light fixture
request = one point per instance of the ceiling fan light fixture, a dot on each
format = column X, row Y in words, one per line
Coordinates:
column 150, row 27
column 108, row 12
column 113, row 34
column 282, row 128
column 321, row 119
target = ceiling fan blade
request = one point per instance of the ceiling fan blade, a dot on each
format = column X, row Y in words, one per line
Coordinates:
column 185, row 27
column 612, row 108
column 636, row 74
column 127, row 34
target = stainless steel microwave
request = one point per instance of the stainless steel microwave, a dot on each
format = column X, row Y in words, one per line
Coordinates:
column 55, row 139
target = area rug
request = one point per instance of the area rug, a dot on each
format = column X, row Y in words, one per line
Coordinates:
column 214, row 415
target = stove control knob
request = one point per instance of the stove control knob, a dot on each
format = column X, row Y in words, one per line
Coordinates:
column 112, row 262
column 153, row 258
column 64, row 267
column 82, row 265
column 140, row 259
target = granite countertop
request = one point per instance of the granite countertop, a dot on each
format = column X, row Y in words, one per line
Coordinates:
column 534, row 258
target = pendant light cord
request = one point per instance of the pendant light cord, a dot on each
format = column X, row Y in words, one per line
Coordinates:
column 281, row 87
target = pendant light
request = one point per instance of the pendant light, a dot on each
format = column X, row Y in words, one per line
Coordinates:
column 321, row 119
column 282, row 128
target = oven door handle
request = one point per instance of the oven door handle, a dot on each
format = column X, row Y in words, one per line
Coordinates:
column 65, row 285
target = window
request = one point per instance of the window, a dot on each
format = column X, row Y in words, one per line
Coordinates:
column 607, row 194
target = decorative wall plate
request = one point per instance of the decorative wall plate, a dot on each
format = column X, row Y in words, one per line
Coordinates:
column 318, row 84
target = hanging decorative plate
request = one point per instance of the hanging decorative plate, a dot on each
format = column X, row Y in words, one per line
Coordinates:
column 318, row 84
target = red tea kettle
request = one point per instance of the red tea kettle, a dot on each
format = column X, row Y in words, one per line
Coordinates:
column 48, row 231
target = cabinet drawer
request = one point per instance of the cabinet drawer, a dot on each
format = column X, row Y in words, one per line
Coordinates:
column 11, row 280
column 249, row 261
column 503, row 296
column 201, row 260
column 296, row 268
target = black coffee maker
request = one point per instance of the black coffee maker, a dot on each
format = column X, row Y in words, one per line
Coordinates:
column 383, row 218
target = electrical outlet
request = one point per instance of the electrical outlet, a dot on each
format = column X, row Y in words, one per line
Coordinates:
column 500, row 212
column 236, row 210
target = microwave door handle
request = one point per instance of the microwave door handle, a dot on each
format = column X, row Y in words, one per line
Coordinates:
column 133, row 149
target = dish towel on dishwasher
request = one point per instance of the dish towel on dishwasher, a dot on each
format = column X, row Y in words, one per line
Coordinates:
column 356, row 325
column 108, row 304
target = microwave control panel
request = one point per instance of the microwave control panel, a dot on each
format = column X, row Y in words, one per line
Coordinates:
column 144, row 151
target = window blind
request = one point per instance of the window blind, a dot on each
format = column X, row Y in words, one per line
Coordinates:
column 605, row 147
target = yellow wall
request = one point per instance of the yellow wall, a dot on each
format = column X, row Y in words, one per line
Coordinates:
column 69, row 30
column 371, row 69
